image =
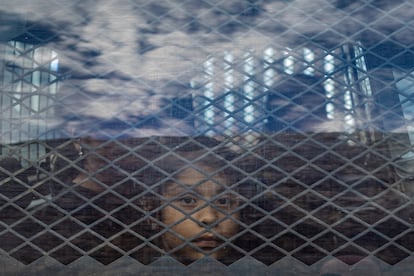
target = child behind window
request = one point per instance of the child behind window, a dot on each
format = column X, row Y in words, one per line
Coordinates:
column 195, row 204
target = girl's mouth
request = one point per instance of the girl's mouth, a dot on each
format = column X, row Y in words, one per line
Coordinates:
column 207, row 242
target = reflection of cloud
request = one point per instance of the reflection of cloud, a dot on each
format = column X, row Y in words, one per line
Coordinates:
column 145, row 126
column 11, row 25
column 124, row 55
column 122, row 108
column 167, row 127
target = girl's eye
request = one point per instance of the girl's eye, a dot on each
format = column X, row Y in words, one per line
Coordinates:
column 226, row 202
column 187, row 201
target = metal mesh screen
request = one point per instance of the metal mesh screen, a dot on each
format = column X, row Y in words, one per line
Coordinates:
column 206, row 137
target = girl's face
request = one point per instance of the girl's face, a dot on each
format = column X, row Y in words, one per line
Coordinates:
column 200, row 215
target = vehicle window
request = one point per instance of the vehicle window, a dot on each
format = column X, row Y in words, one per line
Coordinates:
column 215, row 137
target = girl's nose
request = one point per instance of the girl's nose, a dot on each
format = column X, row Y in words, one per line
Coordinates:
column 207, row 215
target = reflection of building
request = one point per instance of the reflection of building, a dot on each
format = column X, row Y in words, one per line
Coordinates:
column 238, row 93
column 29, row 84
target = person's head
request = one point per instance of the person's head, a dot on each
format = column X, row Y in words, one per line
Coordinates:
column 199, row 205
column 95, row 164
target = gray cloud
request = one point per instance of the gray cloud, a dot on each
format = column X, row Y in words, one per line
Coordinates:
column 124, row 55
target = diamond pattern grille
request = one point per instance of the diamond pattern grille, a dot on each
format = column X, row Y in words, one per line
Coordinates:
column 290, row 122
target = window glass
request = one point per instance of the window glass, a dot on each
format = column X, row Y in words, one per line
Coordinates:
column 215, row 137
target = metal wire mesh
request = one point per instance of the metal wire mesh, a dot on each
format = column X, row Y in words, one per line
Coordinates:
column 281, row 131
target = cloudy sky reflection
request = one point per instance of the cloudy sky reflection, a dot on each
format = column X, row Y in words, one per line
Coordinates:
column 121, row 59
